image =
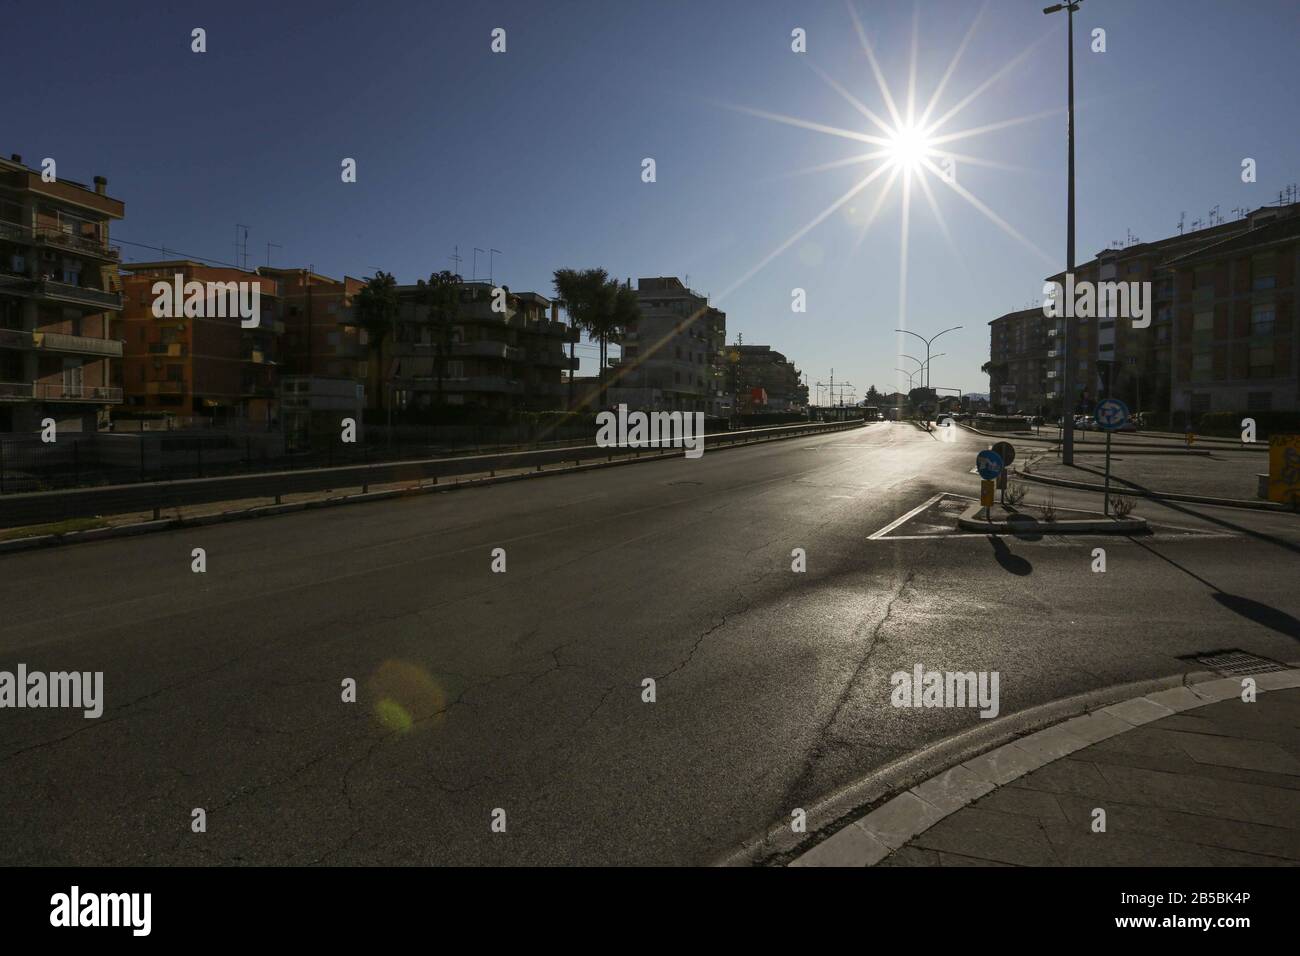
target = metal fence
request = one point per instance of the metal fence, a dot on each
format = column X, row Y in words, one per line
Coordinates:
column 33, row 507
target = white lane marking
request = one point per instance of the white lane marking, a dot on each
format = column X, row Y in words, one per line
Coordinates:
column 911, row 514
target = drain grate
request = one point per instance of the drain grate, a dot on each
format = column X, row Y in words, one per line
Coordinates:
column 1235, row 662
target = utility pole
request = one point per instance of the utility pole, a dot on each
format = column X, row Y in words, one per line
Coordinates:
column 1067, row 378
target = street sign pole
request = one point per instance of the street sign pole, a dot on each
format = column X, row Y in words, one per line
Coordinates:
column 1106, row 493
column 1111, row 414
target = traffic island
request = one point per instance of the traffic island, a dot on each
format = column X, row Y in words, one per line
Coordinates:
column 1007, row 519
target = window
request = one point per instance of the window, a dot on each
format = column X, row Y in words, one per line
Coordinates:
column 1261, row 320
column 1259, row 401
column 1200, row 404
column 1202, row 366
column 1261, row 362
column 1263, row 270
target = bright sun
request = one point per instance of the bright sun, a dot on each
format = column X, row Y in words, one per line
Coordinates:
column 908, row 147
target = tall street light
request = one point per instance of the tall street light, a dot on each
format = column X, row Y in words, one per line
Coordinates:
column 1067, row 379
column 927, row 342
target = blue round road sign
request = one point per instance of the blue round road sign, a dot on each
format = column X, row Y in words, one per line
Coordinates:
column 1111, row 414
column 988, row 464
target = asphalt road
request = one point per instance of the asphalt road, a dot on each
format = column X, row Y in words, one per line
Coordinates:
column 523, row 690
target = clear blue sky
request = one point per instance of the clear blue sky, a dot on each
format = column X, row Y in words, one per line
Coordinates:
column 538, row 152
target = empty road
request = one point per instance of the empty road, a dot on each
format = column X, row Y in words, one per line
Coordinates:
column 523, row 690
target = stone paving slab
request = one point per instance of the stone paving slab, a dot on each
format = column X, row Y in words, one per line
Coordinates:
column 1212, row 786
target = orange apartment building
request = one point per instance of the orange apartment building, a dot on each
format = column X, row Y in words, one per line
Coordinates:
column 321, row 338
column 59, row 300
column 199, row 368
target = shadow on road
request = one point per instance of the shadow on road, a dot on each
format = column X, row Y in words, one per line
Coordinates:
column 1010, row 562
column 1265, row 615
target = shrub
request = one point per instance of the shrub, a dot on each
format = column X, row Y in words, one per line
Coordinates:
column 1048, row 508
column 1015, row 493
column 1122, row 506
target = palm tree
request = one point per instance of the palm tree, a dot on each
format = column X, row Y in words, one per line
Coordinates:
column 623, row 308
column 581, row 291
column 376, row 307
column 442, row 296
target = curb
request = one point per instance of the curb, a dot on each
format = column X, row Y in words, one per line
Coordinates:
column 1030, row 525
column 842, row 806
column 1123, row 489
column 171, row 524
column 867, row 841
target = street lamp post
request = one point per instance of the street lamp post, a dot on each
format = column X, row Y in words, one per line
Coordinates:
column 1067, row 378
column 926, row 366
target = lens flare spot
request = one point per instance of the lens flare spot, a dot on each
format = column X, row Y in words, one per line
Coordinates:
column 405, row 694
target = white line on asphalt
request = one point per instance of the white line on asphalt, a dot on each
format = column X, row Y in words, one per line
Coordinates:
column 911, row 514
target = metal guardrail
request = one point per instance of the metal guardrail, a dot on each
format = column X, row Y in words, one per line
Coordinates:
column 49, row 506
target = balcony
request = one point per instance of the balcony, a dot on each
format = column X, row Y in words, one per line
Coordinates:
column 80, row 344
column 58, row 392
column 59, row 342
column 486, row 348
column 93, row 300
column 60, row 239
column 553, row 359
column 168, row 349
column 484, row 383
column 164, row 388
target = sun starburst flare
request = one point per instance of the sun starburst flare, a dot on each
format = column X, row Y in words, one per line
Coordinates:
column 907, row 148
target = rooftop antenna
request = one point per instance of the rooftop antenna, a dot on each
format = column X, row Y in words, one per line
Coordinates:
column 269, row 247
column 241, row 245
column 1215, row 218
column 477, row 250
column 455, row 258
column 1181, row 217
column 492, row 254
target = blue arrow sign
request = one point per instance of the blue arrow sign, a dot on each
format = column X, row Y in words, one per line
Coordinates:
column 1112, row 414
column 988, row 464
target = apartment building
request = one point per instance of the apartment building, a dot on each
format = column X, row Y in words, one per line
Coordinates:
column 59, row 301
column 761, row 366
column 673, row 355
column 1108, row 354
column 1021, row 363
column 504, row 361
column 1236, row 340
column 321, row 336
column 207, row 367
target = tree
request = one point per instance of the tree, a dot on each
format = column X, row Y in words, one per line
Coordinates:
column 626, row 310
column 581, row 291
column 376, row 307
column 441, row 295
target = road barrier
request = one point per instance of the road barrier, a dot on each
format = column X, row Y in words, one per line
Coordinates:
column 50, row 506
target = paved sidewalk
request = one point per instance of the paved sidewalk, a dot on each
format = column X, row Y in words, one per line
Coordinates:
column 1215, row 785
